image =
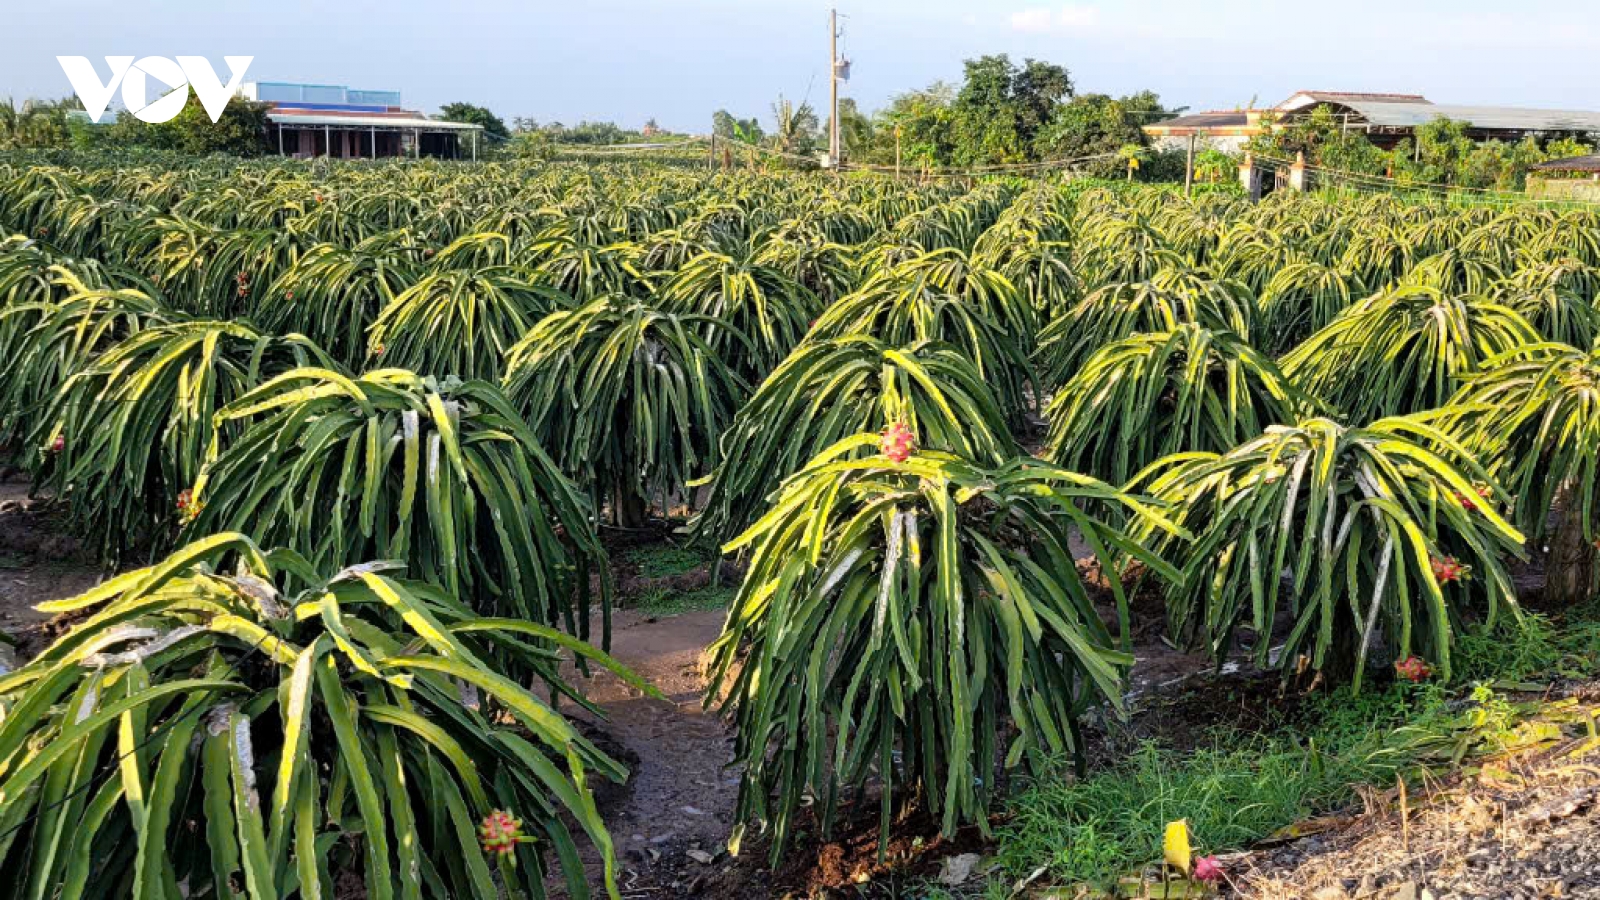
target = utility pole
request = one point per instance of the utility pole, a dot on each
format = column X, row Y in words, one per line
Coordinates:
column 833, row 88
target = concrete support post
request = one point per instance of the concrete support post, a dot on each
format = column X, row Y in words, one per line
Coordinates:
column 1188, row 169
column 1250, row 177
column 1297, row 173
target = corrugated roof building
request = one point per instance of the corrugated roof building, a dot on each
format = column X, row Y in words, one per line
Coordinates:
column 1385, row 118
column 310, row 120
column 1224, row 130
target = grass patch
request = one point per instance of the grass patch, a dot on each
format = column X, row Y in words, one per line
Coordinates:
column 1538, row 648
column 662, row 603
column 1247, row 786
column 1244, row 787
column 665, row 560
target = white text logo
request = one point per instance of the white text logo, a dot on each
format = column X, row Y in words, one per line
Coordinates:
column 187, row 72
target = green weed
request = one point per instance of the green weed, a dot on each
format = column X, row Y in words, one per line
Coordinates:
column 666, row 560
column 1532, row 650
column 660, row 602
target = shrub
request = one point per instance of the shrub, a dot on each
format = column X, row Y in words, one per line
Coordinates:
column 333, row 295
column 391, row 465
column 1376, row 530
column 459, row 323
column 632, row 399
column 829, row 390
column 1150, row 395
column 906, row 306
column 135, row 425
column 235, row 722
column 1403, row 351
column 907, row 614
column 771, row 310
column 1121, row 310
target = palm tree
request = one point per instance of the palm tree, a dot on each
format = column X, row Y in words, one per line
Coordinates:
column 796, row 133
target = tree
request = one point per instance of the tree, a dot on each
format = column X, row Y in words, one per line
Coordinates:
column 923, row 120
column 1001, row 109
column 855, row 130
column 241, row 130
column 796, row 127
column 35, row 125
column 725, row 125
column 492, row 125
column 1096, row 124
column 1324, row 142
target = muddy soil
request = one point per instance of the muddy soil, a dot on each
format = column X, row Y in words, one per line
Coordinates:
column 37, row 564
column 677, row 807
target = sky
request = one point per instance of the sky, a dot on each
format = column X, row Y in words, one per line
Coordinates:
column 628, row 60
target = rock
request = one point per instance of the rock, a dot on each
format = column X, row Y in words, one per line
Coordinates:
column 700, row 856
column 956, row 870
column 692, row 811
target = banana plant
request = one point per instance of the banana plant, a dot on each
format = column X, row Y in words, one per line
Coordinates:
column 630, row 398
column 1151, row 395
column 1390, row 535
column 915, row 617
column 442, row 474
column 241, row 724
column 829, row 390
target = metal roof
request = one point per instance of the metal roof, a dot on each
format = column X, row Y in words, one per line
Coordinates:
column 1389, row 114
column 1570, row 164
column 1206, row 120
column 366, row 120
column 1352, row 96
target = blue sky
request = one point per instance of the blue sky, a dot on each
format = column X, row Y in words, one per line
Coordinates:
column 628, row 60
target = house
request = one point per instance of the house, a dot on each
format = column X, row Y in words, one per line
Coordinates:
column 1225, row 131
column 310, row 120
column 1385, row 119
column 1575, row 178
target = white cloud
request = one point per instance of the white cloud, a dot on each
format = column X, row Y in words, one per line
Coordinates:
column 1032, row 20
column 1072, row 17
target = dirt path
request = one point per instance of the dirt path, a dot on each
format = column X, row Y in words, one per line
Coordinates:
column 36, row 565
column 679, row 801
